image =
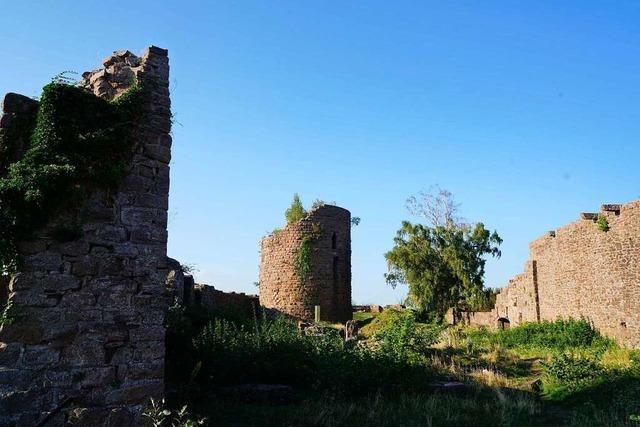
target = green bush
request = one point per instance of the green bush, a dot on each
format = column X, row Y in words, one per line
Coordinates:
column 568, row 373
column 558, row 335
column 402, row 338
column 272, row 350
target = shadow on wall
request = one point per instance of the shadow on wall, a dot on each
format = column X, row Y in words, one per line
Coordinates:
column 186, row 292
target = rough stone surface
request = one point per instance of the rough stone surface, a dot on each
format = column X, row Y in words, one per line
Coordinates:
column 4, row 290
column 579, row 271
column 87, row 343
column 328, row 284
column 185, row 292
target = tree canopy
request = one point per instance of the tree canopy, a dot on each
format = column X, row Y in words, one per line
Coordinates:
column 442, row 262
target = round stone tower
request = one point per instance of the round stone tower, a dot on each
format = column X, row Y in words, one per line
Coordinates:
column 308, row 263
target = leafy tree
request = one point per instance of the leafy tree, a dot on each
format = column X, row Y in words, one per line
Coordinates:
column 442, row 262
column 296, row 211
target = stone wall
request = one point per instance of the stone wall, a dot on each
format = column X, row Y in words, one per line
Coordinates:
column 517, row 302
column 580, row 271
column 185, row 292
column 328, row 284
column 87, row 341
column 236, row 303
column 4, row 290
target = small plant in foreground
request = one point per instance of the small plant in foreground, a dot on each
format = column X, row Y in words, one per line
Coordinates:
column 6, row 315
column 160, row 416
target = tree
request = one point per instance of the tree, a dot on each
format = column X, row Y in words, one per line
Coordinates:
column 296, row 211
column 437, row 206
column 441, row 262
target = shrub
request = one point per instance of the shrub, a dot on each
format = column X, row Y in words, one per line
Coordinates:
column 402, row 338
column 271, row 350
column 296, row 211
column 559, row 335
column 567, row 373
column 603, row 223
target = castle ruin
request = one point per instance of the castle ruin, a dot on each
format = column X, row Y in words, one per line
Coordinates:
column 324, row 280
column 87, row 342
column 587, row 269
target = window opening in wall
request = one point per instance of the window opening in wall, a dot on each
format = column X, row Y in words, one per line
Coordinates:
column 334, row 242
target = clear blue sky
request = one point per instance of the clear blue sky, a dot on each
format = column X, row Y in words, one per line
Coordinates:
column 529, row 112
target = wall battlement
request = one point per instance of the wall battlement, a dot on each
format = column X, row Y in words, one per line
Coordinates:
column 581, row 271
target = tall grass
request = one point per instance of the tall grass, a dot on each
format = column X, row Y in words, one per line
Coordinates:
column 219, row 352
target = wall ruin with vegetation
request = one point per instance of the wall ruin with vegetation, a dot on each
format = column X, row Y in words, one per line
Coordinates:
column 308, row 263
column 84, row 342
column 587, row 269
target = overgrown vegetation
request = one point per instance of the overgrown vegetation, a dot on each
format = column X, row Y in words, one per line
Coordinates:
column 553, row 373
column 76, row 143
column 558, row 335
column 216, row 350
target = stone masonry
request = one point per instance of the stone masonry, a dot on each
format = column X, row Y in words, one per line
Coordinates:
column 579, row 271
column 328, row 284
column 185, row 292
column 86, row 346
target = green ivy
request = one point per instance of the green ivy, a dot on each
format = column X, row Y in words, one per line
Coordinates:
column 78, row 142
column 303, row 258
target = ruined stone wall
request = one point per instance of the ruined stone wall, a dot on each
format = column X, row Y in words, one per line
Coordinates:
column 328, row 284
column 471, row 318
column 185, row 292
column 213, row 299
column 87, row 341
column 585, row 272
column 580, row 271
column 517, row 301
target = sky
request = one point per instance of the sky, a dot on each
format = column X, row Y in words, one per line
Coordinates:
column 528, row 112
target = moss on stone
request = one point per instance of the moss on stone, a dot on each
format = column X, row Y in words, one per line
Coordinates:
column 78, row 143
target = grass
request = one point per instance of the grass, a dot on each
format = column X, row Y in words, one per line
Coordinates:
column 478, row 407
column 555, row 374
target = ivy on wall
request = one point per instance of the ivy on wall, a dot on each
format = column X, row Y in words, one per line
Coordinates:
column 77, row 142
column 303, row 258
column 305, row 252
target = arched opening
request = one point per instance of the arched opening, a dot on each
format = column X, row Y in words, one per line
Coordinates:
column 503, row 323
column 334, row 241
